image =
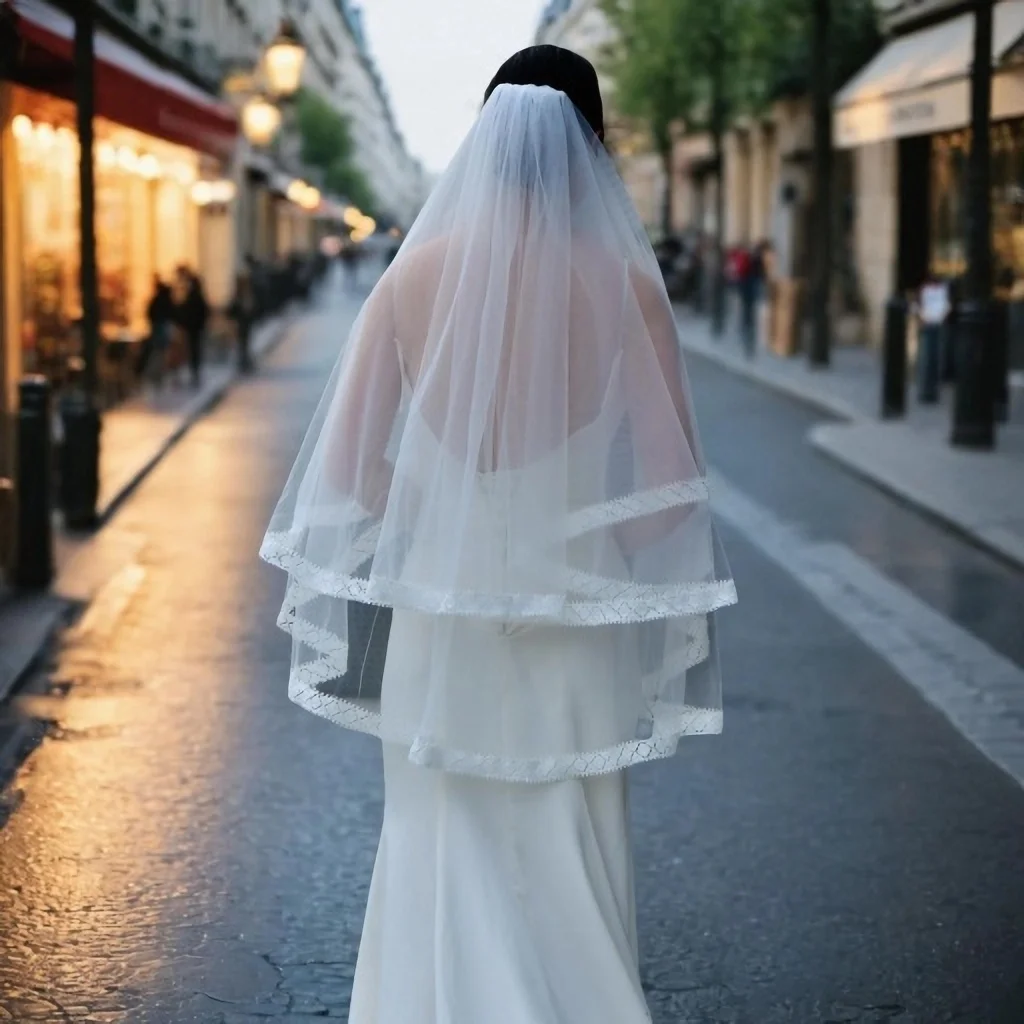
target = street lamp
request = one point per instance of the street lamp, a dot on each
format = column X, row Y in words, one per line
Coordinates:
column 261, row 120
column 284, row 60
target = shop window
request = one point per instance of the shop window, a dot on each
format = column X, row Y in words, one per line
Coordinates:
column 146, row 223
column 950, row 155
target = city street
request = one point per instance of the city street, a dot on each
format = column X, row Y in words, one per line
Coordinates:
column 187, row 846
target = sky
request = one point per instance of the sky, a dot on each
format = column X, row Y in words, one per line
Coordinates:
column 437, row 56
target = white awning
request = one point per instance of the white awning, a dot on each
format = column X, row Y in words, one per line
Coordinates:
column 920, row 83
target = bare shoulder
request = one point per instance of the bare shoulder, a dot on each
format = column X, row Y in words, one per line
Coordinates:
column 650, row 292
column 423, row 261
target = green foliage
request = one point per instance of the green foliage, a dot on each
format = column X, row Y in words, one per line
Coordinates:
column 652, row 85
column 779, row 44
column 348, row 180
column 677, row 61
column 327, row 145
column 324, row 132
column 693, row 61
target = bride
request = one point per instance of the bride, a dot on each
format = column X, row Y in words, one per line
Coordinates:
column 505, row 468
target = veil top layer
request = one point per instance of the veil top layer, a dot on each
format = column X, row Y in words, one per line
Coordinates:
column 507, row 446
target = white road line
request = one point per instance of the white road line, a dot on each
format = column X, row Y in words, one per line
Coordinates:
column 979, row 690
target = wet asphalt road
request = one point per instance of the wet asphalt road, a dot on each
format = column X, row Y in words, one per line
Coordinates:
column 188, row 847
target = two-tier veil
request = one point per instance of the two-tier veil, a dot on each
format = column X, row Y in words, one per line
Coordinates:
column 506, row 456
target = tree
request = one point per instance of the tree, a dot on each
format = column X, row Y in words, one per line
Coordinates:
column 831, row 39
column 700, row 63
column 652, row 86
column 677, row 62
column 327, row 145
column 348, row 180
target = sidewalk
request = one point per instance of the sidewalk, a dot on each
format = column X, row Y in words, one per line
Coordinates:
column 135, row 437
column 980, row 494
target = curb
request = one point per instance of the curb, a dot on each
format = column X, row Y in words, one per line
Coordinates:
column 750, row 370
column 1006, row 548
column 39, row 618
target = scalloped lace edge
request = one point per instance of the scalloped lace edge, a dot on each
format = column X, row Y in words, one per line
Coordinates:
column 669, row 728
column 623, row 602
column 333, row 650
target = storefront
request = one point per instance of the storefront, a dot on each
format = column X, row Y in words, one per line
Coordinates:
column 160, row 144
column 904, row 119
column 147, row 224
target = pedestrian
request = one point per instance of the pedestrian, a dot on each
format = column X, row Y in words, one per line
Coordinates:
column 933, row 309
column 242, row 311
column 750, row 284
column 160, row 313
column 349, row 258
column 507, row 459
column 193, row 312
column 258, row 285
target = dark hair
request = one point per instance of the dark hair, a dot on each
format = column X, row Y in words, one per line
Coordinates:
column 559, row 69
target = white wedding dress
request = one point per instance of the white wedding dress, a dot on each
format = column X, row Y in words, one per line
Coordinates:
column 506, row 457
column 498, row 902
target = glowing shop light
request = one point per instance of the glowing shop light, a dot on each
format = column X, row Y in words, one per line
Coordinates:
column 22, row 128
column 213, row 193
column 202, row 193
column 284, row 60
column 127, row 159
column 46, row 137
column 106, row 155
column 149, row 167
column 260, row 121
column 183, row 174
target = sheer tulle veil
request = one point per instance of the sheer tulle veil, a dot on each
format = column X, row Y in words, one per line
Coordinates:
column 506, row 453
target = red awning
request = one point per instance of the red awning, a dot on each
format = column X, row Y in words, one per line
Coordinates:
column 130, row 88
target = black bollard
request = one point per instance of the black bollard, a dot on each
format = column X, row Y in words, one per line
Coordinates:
column 1000, row 361
column 79, row 455
column 894, row 359
column 33, row 561
column 973, row 419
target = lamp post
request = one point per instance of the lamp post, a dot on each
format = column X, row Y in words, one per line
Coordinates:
column 277, row 78
column 284, row 59
column 973, row 412
column 821, row 273
column 80, row 462
column 261, row 120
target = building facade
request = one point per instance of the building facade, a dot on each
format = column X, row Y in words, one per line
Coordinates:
column 903, row 122
column 215, row 36
column 581, row 26
column 176, row 182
